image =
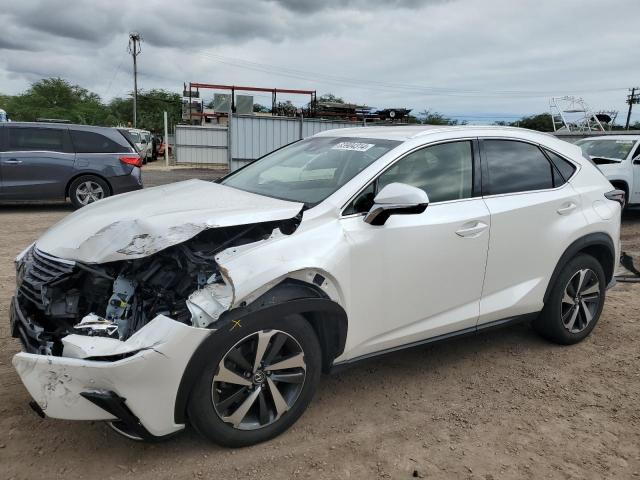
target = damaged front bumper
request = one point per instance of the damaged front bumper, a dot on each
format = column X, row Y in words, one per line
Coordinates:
column 133, row 383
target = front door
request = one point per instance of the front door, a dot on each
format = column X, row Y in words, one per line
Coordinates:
column 418, row 276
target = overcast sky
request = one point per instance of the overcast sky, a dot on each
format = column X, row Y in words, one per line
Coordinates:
column 471, row 58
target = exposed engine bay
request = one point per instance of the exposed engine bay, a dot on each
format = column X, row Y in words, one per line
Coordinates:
column 57, row 297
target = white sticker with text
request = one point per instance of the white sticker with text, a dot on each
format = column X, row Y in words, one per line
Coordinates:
column 353, row 146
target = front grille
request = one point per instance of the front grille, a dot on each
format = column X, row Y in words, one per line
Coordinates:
column 41, row 270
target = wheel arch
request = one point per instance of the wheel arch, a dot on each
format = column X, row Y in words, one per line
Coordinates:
column 599, row 245
column 327, row 318
column 84, row 174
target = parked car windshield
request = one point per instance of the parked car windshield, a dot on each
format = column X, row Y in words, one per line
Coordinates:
column 310, row 170
column 606, row 148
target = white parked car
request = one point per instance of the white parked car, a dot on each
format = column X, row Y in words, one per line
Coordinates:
column 142, row 141
column 618, row 157
column 220, row 304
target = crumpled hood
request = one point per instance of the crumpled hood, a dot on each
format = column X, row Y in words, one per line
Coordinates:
column 138, row 224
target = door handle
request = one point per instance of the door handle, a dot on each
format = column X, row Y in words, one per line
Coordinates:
column 12, row 161
column 567, row 208
column 472, row 229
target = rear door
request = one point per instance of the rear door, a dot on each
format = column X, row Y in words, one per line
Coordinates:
column 36, row 162
column 535, row 215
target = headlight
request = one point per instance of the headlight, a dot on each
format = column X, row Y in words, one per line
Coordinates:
column 20, row 264
column 23, row 253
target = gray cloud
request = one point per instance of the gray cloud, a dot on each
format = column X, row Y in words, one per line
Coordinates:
column 453, row 56
column 310, row 6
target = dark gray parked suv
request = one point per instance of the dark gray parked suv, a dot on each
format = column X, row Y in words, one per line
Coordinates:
column 46, row 161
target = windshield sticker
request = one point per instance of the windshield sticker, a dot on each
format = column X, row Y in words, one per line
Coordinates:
column 626, row 142
column 353, row 146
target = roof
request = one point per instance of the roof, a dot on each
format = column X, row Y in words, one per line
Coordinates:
column 53, row 124
column 404, row 133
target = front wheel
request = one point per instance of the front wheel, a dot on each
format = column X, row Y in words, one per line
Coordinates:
column 575, row 303
column 261, row 378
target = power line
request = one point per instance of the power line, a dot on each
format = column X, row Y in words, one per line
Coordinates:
column 372, row 84
column 114, row 76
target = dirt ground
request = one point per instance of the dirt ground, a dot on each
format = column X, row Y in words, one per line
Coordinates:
column 502, row 404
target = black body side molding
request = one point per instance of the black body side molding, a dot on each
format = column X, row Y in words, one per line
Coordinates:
column 328, row 319
column 600, row 241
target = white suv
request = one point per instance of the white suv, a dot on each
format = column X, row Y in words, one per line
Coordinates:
column 618, row 157
column 220, row 304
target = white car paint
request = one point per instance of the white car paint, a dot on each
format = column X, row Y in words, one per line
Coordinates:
column 163, row 348
column 124, row 227
column 459, row 264
column 623, row 170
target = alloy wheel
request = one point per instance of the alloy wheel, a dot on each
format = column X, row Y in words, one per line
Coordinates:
column 89, row 192
column 258, row 380
column 581, row 300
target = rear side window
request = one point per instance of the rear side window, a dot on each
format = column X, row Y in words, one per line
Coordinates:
column 565, row 167
column 36, row 139
column 91, row 142
column 514, row 166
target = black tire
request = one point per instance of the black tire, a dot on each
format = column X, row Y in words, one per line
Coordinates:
column 201, row 411
column 80, row 184
column 550, row 323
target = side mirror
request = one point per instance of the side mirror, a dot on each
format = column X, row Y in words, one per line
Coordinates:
column 396, row 199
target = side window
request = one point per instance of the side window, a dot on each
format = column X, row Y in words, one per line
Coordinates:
column 565, row 167
column 44, row 139
column 444, row 171
column 91, row 142
column 515, row 166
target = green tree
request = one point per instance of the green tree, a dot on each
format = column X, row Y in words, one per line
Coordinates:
column 150, row 108
column 429, row 117
column 329, row 97
column 57, row 98
column 259, row 108
column 540, row 122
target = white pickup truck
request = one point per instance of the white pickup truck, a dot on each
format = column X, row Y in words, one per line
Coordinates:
column 618, row 158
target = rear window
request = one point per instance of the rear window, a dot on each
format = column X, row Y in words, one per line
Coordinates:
column 565, row 167
column 91, row 142
column 608, row 148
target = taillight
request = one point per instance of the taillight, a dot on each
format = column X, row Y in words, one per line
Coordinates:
column 616, row 196
column 134, row 160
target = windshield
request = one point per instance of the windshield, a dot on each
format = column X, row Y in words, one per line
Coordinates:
column 310, row 170
column 607, row 148
column 135, row 136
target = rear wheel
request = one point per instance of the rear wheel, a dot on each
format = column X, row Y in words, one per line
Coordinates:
column 261, row 378
column 575, row 304
column 87, row 189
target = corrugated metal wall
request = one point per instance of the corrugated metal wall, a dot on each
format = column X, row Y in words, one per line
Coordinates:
column 201, row 145
column 251, row 138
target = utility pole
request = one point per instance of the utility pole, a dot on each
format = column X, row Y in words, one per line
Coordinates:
column 134, row 49
column 631, row 99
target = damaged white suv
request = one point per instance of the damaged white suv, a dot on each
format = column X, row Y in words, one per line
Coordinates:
column 220, row 304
